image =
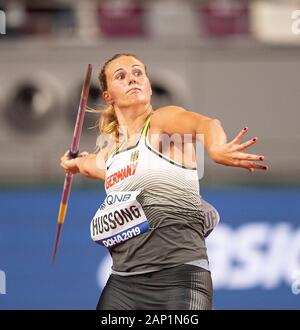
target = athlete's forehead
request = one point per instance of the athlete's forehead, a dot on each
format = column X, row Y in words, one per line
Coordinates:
column 123, row 63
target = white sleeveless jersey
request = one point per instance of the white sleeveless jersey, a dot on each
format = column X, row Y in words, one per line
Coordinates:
column 169, row 195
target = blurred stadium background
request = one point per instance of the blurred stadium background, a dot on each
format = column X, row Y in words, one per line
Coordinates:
column 235, row 60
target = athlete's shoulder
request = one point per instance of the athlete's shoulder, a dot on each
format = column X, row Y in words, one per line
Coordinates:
column 168, row 110
column 163, row 115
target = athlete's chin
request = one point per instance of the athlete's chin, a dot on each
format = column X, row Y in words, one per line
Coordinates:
column 138, row 102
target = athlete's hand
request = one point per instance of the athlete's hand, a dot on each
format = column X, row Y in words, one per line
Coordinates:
column 70, row 164
column 233, row 154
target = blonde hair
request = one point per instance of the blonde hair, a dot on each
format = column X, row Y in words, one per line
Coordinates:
column 108, row 123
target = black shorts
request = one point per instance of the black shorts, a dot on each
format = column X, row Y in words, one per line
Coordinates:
column 183, row 287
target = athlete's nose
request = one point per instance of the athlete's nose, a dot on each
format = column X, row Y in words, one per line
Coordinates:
column 132, row 80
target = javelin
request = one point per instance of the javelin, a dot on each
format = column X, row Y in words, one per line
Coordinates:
column 73, row 153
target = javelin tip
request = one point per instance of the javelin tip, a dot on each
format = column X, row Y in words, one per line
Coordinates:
column 58, row 233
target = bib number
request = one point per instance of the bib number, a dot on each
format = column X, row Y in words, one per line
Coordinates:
column 119, row 218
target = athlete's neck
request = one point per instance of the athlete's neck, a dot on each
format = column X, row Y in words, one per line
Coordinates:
column 132, row 120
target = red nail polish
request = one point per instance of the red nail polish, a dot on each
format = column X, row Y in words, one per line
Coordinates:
column 261, row 158
column 254, row 139
column 245, row 128
column 265, row 168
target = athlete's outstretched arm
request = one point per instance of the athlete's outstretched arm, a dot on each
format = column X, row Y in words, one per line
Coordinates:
column 172, row 119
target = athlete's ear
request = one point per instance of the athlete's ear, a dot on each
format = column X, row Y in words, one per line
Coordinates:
column 107, row 97
column 150, row 88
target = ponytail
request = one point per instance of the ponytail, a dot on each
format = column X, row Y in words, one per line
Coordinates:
column 108, row 123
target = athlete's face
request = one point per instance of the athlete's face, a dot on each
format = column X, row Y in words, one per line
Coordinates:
column 127, row 83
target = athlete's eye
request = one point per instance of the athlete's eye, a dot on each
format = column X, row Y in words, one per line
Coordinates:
column 120, row 76
column 137, row 72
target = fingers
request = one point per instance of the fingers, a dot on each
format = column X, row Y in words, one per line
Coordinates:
column 64, row 165
column 258, row 166
column 251, row 166
column 249, row 161
column 244, row 156
column 68, row 172
column 69, row 164
column 65, row 156
column 64, row 161
column 238, row 138
column 83, row 154
column 67, row 169
column 247, row 144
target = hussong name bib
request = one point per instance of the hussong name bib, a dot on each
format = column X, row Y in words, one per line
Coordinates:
column 119, row 218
